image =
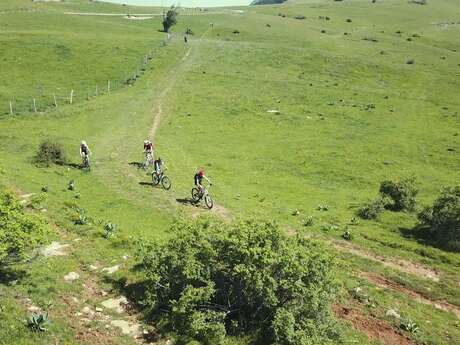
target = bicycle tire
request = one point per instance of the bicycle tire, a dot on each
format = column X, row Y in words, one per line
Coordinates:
column 196, row 195
column 155, row 179
column 166, row 182
column 208, row 201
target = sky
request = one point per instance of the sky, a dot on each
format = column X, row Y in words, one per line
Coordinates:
column 184, row 3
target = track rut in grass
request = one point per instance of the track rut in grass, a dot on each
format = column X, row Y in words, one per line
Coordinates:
column 386, row 283
column 395, row 263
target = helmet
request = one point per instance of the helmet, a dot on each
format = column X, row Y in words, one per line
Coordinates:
column 159, row 159
column 146, row 141
column 83, row 143
column 201, row 171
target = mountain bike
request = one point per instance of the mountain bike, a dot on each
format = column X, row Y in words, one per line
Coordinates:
column 161, row 178
column 85, row 163
column 148, row 160
column 198, row 195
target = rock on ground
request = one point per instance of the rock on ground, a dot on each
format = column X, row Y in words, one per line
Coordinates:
column 71, row 277
column 128, row 328
column 54, row 249
column 116, row 304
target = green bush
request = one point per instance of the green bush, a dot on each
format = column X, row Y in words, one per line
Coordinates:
column 443, row 218
column 400, row 194
column 213, row 279
column 20, row 232
column 371, row 209
column 50, row 152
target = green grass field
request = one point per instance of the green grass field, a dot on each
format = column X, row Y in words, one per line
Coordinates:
column 350, row 112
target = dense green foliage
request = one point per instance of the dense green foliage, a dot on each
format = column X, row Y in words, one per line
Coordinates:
column 50, row 152
column 400, row 195
column 19, row 231
column 170, row 18
column 267, row 2
column 443, row 218
column 212, row 279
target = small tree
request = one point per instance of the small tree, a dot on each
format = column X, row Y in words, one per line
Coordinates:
column 214, row 279
column 443, row 218
column 170, row 18
column 50, row 152
column 400, row 194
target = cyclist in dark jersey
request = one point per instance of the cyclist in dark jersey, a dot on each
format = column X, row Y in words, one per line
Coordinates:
column 199, row 176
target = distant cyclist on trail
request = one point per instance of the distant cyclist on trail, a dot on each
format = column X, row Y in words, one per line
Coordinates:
column 200, row 174
column 84, row 152
column 148, row 150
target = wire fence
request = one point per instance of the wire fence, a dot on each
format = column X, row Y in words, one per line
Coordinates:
column 49, row 100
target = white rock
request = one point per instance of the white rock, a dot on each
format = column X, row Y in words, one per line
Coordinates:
column 116, row 304
column 92, row 267
column 273, row 111
column 87, row 311
column 99, row 310
column 392, row 313
column 125, row 257
column 111, row 270
column 54, row 249
column 71, row 277
column 128, row 328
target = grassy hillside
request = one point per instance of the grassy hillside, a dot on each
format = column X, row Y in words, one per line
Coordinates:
column 285, row 114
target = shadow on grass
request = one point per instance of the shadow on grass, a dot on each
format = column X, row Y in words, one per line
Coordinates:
column 138, row 165
column 150, row 184
column 9, row 275
column 187, row 201
column 424, row 235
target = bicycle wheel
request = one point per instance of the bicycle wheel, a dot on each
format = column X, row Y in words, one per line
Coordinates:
column 166, row 182
column 155, row 179
column 208, row 201
column 196, row 194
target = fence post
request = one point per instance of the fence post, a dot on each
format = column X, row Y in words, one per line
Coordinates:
column 71, row 96
column 55, row 101
column 11, row 108
column 108, row 85
column 35, row 106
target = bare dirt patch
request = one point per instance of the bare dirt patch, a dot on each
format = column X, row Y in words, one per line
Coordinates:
column 398, row 264
column 374, row 328
column 386, row 283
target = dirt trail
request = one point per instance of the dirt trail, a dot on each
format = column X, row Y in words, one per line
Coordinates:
column 374, row 328
column 398, row 264
column 392, row 285
column 157, row 113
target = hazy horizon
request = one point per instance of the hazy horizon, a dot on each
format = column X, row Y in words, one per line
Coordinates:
column 184, row 3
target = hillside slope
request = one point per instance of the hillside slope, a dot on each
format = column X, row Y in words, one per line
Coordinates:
column 296, row 121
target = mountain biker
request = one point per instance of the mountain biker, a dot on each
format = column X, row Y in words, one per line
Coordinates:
column 148, row 150
column 199, row 175
column 158, row 164
column 148, row 146
column 84, row 151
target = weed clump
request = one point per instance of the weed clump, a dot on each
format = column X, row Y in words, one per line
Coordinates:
column 50, row 152
column 371, row 209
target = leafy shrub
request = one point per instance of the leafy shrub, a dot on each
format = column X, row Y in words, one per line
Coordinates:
column 50, row 152
column 443, row 218
column 38, row 322
column 170, row 18
column 371, row 209
column 401, row 194
column 19, row 231
column 213, row 279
